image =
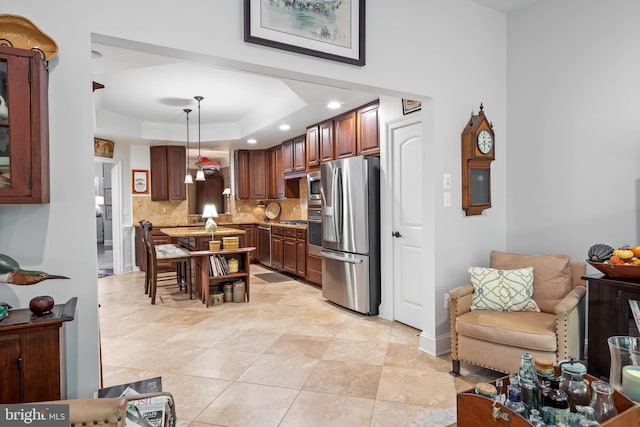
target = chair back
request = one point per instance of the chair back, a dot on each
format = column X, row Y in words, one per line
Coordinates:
column 149, row 245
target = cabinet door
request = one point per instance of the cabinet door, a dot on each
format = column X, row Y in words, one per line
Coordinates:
column 287, row 157
column 301, row 269
column 258, row 174
column 176, row 169
column 289, row 253
column 210, row 191
column 276, row 252
column 10, row 378
column 159, row 171
column 40, row 374
column 313, row 147
column 278, row 175
column 299, row 156
column 314, row 269
column 242, row 174
column 326, row 141
column 368, row 135
column 344, row 142
column 24, row 130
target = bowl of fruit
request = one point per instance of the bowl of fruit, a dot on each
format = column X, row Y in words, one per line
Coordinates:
column 622, row 263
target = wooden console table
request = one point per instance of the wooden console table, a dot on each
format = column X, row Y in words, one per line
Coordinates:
column 201, row 269
column 30, row 358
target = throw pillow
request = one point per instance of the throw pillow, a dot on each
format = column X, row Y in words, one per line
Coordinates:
column 502, row 290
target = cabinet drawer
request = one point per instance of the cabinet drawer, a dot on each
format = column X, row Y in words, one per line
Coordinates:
column 276, row 231
column 301, row 234
column 290, row 232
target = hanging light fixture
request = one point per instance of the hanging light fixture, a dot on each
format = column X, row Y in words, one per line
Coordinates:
column 188, row 179
column 200, row 173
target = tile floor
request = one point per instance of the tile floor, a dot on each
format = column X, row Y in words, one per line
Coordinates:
column 287, row 358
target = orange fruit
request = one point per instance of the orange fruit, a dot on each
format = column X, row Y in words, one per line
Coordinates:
column 636, row 250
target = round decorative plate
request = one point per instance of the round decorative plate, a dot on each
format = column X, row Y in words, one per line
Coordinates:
column 24, row 34
column 619, row 271
column 272, row 211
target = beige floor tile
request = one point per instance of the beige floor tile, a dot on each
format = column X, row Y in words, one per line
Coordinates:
column 312, row 409
column 346, row 378
column 386, row 414
column 299, row 345
column 409, row 356
column 282, row 371
column 220, row 364
column 351, row 350
column 423, row 387
column 244, row 405
column 248, row 340
column 193, row 394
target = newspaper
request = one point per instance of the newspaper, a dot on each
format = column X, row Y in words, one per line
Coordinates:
column 148, row 412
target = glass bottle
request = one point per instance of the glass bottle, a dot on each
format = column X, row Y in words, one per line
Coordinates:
column 558, row 400
column 528, row 381
column 588, row 418
column 535, row 419
column 602, row 401
column 514, row 401
column 573, row 383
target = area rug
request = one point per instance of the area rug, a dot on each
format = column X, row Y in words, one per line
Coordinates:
column 442, row 418
column 273, row 277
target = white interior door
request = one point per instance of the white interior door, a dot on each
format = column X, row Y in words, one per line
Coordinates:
column 409, row 290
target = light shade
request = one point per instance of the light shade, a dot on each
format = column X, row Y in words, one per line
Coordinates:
column 210, row 211
column 226, row 192
column 200, row 175
column 99, row 200
column 188, row 179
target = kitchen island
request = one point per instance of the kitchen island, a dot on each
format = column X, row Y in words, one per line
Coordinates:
column 197, row 238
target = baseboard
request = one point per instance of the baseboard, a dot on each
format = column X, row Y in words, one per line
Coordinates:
column 435, row 347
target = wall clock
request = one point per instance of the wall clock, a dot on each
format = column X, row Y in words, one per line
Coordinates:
column 478, row 151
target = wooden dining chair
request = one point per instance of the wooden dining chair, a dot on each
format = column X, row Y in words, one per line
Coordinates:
column 159, row 254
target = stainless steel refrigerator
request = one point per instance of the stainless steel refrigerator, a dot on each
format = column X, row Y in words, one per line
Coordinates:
column 350, row 190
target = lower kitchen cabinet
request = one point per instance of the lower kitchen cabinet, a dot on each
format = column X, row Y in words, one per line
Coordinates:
column 277, row 250
column 314, row 269
column 289, row 251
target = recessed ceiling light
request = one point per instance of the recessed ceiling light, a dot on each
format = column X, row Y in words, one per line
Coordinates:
column 284, row 127
column 251, row 141
column 333, row 105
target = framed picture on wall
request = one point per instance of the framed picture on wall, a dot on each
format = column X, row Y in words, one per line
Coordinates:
column 107, row 196
column 410, row 105
column 107, row 212
column 139, row 181
column 326, row 29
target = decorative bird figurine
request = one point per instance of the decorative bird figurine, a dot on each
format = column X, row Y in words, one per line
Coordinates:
column 10, row 272
column 4, row 110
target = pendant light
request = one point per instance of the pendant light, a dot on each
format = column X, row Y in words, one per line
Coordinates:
column 188, row 179
column 200, row 173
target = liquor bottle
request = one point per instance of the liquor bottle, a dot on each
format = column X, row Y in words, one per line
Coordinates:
column 529, row 382
column 558, row 400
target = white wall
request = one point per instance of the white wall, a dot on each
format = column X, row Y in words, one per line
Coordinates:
column 574, row 128
column 429, row 49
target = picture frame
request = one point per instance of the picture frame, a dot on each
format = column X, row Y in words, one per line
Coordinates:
column 139, row 181
column 329, row 30
column 107, row 196
column 107, row 212
column 410, row 105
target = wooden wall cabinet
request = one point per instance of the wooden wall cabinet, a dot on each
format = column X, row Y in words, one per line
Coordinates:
column 313, row 148
column 243, row 174
column 167, row 173
column 325, row 131
column 344, row 131
column 368, row 131
column 30, row 361
column 24, row 161
column 275, row 160
column 294, row 156
column 251, row 174
column 210, row 191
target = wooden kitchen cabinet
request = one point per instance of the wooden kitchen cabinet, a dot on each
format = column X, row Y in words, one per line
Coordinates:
column 251, row 174
column 294, row 156
column 249, row 239
column 167, row 173
column 210, row 191
column 368, row 130
column 314, row 269
column 277, row 254
column 313, row 148
column 243, row 174
column 31, row 364
column 301, row 255
column 344, row 139
column 289, row 251
column 275, row 159
column 287, row 156
column 24, row 159
column 325, row 131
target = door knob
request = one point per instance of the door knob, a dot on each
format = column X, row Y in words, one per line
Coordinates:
column 396, row 234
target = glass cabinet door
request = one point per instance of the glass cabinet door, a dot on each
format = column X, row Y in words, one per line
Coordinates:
column 5, row 152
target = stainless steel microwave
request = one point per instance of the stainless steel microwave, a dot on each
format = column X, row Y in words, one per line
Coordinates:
column 313, row 183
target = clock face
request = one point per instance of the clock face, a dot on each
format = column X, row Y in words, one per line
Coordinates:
column 485, row 141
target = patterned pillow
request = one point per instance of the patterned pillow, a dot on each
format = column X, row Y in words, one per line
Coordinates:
column 502, row 290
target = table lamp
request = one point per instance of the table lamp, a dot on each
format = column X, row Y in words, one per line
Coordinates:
column 210, row 212
column 227, row 194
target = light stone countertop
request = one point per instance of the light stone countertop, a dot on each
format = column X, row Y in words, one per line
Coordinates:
column 200, row 232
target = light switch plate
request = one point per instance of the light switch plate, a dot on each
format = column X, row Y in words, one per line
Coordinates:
column 447, row 199
column 446, row 180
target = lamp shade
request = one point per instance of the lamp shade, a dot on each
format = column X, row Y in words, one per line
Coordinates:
column 210, row 211
column 226, row 192
column 200, row 175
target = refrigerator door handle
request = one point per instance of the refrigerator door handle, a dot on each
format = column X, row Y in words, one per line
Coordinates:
column 336, row 195
column 335, row 257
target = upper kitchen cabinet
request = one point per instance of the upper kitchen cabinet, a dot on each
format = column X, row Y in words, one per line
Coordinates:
column 275, row 160
column 210, row 191
column 167, row 173
column 294, row 156
column 313, row 147
column 344, row 143
column 325, row 131
column 251, row 174
column 319, row 144
column 368, row 130
column 24, row 127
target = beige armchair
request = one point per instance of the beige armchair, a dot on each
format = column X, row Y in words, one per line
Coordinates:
column 496, row 339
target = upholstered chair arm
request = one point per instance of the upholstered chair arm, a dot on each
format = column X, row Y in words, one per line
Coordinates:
column 459, row 303
column 570, row 321
column 109, row 412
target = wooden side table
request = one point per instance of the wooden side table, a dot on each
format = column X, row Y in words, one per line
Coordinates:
column 30, row 359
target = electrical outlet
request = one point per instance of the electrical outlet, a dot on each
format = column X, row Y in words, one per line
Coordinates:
column 446, row 199
column 446, row 301
column 446, row 180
